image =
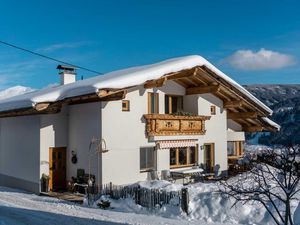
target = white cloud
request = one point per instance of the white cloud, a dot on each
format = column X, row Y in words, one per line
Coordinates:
column 60, row 46
column 260, row 60
column 14, row 91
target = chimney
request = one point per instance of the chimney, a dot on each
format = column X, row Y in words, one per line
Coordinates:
column 67, row 74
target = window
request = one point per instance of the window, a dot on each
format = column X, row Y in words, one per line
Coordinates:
column 153, row 103
column 125, row 105
column 235, row 148
column 173, row 104
column 147, row 158
column 213, row 110
column 185, row 156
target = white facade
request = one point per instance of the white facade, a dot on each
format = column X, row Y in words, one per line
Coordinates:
column 26, row 140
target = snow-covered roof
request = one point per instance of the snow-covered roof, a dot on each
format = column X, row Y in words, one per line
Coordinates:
column 271, row 123
column 118, row 79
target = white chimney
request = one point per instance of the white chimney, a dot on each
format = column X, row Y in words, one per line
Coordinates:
column 67, row 74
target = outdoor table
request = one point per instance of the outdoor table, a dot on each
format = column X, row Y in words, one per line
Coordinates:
column 186, row 173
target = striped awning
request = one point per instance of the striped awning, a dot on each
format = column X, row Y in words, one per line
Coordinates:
column 176, row 144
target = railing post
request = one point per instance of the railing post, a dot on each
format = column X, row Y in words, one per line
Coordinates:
column 185, row 200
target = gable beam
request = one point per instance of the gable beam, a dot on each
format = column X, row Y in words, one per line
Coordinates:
column 253, row 128
column 242, row 115
column 41, row 106
column 232, row 104
column 203, row 89
column 155, row 83
column 111, row 95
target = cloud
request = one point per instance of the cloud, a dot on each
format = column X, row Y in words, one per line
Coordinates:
column 14, row 91
column 59, row 46
column 260, row 60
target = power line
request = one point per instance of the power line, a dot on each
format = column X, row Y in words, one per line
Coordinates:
column 48, row 57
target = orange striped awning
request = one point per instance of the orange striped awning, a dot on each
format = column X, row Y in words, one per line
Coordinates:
column 176, row 144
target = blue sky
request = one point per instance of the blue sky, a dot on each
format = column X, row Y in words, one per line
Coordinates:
column 251, row 41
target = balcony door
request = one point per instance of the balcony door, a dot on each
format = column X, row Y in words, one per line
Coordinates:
column 173, row 104
column 209, row 156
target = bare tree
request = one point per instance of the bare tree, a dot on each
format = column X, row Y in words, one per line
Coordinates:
column 273, row 181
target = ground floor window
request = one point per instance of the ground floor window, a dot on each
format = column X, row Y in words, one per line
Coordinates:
column 147, row 158
column 183, row 156
column 235, row 148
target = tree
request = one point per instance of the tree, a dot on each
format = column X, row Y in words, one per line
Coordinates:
column 273, row 181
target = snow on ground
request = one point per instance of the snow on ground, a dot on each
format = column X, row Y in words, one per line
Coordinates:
column 17, row 207
column 206, row 207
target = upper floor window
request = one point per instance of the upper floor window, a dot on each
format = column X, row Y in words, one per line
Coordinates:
column 213, row 110
column 125, row 105
column 153, row 103
column 173, row 104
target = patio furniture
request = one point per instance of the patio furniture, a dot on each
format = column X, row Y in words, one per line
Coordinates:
column 82, row 181
column 186, row 174
column 166, row 175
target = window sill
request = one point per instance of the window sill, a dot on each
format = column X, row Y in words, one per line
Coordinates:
column 147, row 170
column 182, row 166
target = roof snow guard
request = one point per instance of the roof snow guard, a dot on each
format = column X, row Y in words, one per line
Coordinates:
column 195, row 73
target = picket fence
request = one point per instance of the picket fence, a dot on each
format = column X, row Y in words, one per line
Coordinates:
column 148, row 198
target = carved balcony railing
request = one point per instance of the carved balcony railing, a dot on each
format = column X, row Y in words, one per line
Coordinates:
column 168, row 125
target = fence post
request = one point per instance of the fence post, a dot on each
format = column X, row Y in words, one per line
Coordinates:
column 110, row 189
column 185, row 200
column 138, row 195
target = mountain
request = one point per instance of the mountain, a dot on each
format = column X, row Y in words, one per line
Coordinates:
column 14, row 91
column 284, row 100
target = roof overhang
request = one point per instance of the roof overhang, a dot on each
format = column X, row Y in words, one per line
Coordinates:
column 241, row 106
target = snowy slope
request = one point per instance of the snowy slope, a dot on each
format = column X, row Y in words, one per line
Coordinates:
column 284, row 100
column 17, row 207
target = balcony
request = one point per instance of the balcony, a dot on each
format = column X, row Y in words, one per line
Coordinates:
column 170, row 125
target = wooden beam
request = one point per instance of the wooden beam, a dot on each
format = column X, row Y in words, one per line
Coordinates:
column 155, row 83
column 241, row 115
column 203, row 89
column 181, row 74
column 233, row 104
column 253, row 128
column 112, row 95
column 41, row 106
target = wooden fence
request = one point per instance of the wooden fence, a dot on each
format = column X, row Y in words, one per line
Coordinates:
column 148, row 198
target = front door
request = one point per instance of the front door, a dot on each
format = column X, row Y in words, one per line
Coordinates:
column 57, row 168
column 209, row 156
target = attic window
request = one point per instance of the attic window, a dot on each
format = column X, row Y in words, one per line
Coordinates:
column 213, row 110
column 125, row 105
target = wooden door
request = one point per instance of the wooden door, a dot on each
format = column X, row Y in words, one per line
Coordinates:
column 57, row 168
column 209, row 156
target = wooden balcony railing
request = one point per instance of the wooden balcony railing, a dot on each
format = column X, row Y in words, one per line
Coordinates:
column 168, row 125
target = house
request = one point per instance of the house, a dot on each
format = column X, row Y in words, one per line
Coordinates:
column 165, row 116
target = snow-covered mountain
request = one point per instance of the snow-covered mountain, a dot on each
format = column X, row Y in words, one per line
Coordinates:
column 14, row 91
column 284, row 100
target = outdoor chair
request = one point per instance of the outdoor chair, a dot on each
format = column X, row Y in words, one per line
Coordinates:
column 152, row 175
column 166, row 175
column 81, row 181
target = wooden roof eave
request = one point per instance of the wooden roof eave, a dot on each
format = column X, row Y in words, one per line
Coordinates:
column 55, row 107
column 243, row 97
